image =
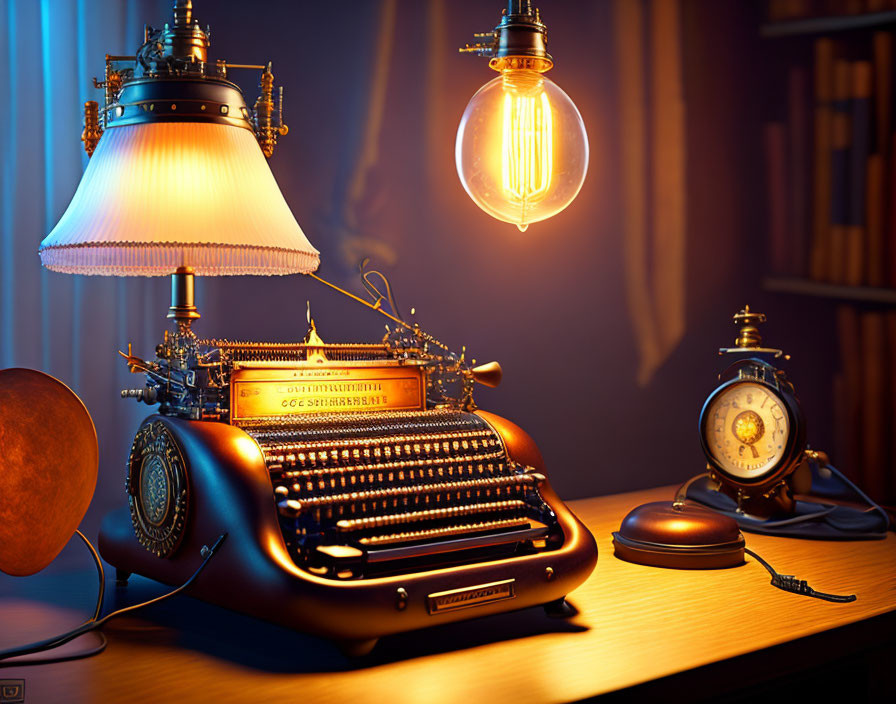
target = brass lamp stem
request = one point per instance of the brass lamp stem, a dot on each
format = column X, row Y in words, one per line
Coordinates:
column 183, row 308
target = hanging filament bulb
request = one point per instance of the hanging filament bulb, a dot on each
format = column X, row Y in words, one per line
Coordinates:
column 522, row 149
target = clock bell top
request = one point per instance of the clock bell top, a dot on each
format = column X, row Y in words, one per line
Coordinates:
column 749, row 341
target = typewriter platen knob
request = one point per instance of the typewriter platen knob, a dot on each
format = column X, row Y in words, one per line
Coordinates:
column 148, row 395
column 488, row 374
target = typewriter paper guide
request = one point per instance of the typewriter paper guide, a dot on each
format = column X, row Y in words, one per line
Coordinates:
column 266, row 391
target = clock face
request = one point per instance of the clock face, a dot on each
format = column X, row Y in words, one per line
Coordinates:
column 746, row 430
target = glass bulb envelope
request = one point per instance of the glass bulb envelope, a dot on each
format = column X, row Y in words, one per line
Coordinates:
column 522, row 149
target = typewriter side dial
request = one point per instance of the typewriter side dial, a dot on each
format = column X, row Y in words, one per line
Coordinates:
column 157, row 490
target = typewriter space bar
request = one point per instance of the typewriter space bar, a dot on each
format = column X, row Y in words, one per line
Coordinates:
column 529, row 530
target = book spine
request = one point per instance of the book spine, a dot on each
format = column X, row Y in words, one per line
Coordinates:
column 841, row 136
column 859, row 150
column 774, row 134
column 873, row 471
column 851, row 418
column 798, row 131
column 882, row 50
column 880, row 206
column 890, row 237
column 890, row 325
column 821, row 174
column 875, row 219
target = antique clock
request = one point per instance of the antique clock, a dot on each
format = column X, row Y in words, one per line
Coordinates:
column 752, row 428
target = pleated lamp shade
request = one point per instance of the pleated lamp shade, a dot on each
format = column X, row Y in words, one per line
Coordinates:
column 159, row 195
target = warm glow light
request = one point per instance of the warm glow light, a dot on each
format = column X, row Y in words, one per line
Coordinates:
column 160, row 195
column 521, row 149
column 270, row 391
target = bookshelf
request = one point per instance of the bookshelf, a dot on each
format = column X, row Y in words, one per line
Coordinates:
column 828, row 141
column 827, row 25
column 870, row 295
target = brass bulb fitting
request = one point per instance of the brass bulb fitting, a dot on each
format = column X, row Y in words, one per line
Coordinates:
column 519, row 41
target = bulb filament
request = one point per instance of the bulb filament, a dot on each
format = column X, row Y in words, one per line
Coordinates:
column 527, row 149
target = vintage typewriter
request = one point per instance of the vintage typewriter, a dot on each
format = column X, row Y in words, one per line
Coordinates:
column 361, row 491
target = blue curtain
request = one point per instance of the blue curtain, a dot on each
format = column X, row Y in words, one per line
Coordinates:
column 73, row 326
column 68, row 326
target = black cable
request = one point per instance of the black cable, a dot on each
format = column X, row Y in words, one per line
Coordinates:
column 789, row 583
column 101, row 591
column 95, row 623
column 815, row 515
column 100, row 571
column 80, row 655
column 872, row 505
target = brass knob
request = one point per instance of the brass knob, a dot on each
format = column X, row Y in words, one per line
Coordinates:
column 488, row 374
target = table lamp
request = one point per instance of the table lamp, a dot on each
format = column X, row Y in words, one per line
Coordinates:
column 177, row 182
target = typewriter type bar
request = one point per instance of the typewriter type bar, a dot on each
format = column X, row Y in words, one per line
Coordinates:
column 525, row 533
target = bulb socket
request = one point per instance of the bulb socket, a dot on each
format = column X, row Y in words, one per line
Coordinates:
column 521, row 35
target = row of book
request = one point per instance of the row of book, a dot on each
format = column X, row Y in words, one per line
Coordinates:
column 864, row 397
column 830, row 160
column 783, row 10
column 831, row 168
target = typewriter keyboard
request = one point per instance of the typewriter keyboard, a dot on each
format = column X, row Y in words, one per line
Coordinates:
column 366, row 494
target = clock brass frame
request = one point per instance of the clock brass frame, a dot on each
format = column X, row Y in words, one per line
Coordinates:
column 769, row 493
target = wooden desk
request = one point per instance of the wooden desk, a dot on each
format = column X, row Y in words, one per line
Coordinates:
column 680, row 633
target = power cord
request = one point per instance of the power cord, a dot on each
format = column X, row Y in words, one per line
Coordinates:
column 96, row 622
column 789, row 583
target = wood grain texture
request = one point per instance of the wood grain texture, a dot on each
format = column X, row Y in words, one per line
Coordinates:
column 636, row 624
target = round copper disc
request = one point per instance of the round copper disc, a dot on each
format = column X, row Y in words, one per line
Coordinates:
column 48, row 468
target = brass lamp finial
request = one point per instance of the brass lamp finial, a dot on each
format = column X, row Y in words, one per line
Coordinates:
column 92, row 130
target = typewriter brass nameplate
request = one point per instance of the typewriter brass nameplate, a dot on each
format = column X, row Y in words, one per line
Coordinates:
column 470, row 596
column 266, row 392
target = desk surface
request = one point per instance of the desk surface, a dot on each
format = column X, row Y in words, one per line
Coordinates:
column 635, row 624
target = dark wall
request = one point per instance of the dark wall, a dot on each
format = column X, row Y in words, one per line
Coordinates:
column 549, row 303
